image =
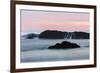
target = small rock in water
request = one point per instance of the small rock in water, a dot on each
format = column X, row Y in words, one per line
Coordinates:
column 64, row 45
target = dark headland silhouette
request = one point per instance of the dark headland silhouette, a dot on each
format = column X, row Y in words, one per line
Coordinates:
column 30, row 36
column 54, row 34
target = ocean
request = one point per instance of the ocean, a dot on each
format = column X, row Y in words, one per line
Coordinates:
column 36, row 50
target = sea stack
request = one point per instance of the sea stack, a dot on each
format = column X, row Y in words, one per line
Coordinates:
column 64, row 45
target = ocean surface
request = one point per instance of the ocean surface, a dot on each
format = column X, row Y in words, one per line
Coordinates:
column 36, row 50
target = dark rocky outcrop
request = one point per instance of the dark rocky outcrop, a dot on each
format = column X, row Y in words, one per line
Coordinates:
column 54, row 34
column 30, row 36
column 80, row 35
column 64, row 45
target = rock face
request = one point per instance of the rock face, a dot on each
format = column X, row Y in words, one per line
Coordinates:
column 53, row 34
column 80, row 35
column 48, row 34
column 64, row 45
column 30, row 36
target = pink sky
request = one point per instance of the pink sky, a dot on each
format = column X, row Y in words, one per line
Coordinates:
column 38, row 21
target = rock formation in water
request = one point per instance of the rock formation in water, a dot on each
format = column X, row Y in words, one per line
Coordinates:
column 30, row 36
column 64, row 45
column 80, row 35
column 54, row 34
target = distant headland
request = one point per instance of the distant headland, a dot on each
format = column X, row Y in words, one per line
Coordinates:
column 55, row 34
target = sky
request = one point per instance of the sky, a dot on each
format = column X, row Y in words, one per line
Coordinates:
column 39, row 21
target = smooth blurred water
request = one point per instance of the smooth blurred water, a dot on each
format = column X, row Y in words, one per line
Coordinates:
column 36, row 50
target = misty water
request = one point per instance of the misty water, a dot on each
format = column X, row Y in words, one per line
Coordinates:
column 36, row 50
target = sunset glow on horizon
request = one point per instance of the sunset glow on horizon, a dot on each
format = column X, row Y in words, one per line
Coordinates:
column 39, row 21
